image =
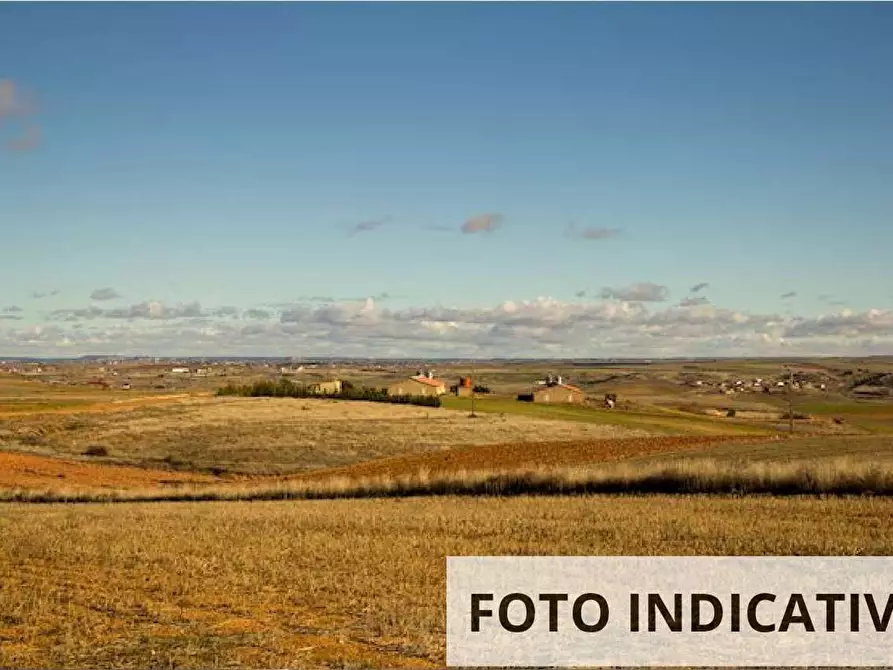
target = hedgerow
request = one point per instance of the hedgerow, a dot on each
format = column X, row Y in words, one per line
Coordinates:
column 285, row 388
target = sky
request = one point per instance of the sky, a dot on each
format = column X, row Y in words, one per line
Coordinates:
column 446, row 179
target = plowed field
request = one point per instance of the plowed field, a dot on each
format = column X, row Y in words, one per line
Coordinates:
column 27, row 471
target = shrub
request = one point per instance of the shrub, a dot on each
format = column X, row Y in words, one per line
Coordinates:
column 478, row 388
column 284, row 388
column 96, row 450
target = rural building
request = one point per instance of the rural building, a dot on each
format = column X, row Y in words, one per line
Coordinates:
column 332, row 387
column 465, row 388
column 421, row 384
column 554, row 391
column 867, row 391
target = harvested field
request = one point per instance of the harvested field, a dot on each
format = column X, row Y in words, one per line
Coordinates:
column 339, row 584
column 277, row 435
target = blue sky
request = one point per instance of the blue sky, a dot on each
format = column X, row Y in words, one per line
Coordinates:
column 254, row 156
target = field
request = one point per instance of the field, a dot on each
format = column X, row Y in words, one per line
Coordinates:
column 343, row 584
column 283, row 581
column 275, row 435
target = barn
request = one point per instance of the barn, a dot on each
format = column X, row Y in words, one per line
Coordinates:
column 555, row 392
column 332, row 387
column 422, row 384
column 464, row 389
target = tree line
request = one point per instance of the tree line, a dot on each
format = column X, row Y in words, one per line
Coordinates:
column 285, row 388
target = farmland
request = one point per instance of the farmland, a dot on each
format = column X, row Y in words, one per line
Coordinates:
column 201, row 577
column 338, row 583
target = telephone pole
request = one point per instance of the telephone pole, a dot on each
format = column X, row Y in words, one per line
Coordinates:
column 473, row 384
column 791, row 401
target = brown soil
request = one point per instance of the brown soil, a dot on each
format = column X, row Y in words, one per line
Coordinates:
column 28, row 471
column 530, row 455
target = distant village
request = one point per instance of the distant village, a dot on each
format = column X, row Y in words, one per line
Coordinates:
column 324, row 377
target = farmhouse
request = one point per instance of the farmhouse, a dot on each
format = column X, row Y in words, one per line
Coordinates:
column 554, row 391
column 464, row 389
column 421, row 384
column 332, row 387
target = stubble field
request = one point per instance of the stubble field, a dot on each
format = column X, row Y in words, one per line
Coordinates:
column 359, row 583
column 275, row 435
column 339, row 584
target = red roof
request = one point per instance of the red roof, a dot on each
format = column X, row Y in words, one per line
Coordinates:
column 429, row 382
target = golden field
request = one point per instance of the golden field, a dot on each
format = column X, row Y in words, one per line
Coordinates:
column 273, row 435
column 339, row 584
column 243, row 570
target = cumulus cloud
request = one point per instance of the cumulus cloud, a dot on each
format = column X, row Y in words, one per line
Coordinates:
column 10, row 317
column 694, row 301
column 789, row 294
column 482, row 223
column 12, row 309
column 580, row 294
column 542, row 326
column 226, row 311
column 641, row 292
column 846, row 323
column 258, row 314
column 699, row 287
column 145, row 310
column 368, row 225
column 107, row 293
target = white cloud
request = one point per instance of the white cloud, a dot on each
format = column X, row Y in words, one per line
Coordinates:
column 535, row 327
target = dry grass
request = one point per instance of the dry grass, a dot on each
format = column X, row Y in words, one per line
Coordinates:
column 277, row 435
column 344, row 584
column 517, row 456
column 842, row 476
